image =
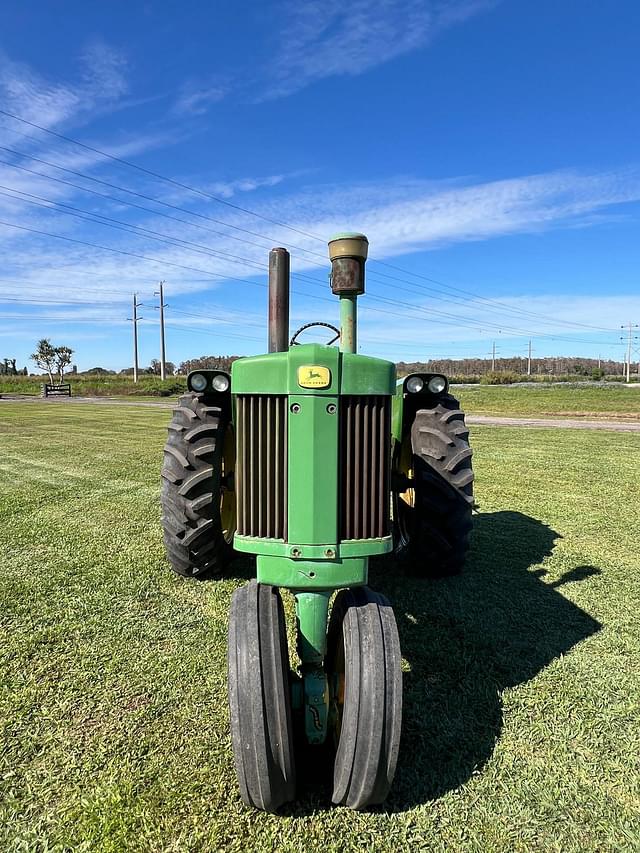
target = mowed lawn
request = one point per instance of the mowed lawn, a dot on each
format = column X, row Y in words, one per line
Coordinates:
column 522, row 681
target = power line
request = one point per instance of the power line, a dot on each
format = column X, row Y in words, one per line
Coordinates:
column 129, row 254
column 158, row 176
column 631, row 337
column 211, row 274
column 430, row 312
column 153, row 199
column 501, row 306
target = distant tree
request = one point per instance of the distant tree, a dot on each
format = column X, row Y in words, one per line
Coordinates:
column 208, row 362
column 63, row 359
column 126, row 371
column 156, row 368
column 45, row 357
column 25, row 372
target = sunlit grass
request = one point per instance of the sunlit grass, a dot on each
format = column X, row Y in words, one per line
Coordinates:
column 522, row 683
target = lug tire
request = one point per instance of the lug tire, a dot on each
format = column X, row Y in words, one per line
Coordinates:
column 435, row 533
column 259, row 697
column 363, row 647
column 190, row 492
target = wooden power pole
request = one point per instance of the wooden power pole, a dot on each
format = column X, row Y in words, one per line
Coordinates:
column 135, row 319
column 162, row 306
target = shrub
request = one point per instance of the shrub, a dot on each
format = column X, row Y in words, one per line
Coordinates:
column 506, row 377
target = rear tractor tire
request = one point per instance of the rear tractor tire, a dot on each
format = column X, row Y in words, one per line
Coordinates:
column 433, row 509
column 197, row 493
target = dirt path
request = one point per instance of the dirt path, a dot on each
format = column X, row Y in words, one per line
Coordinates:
column 488, row 420
column 103, row 401
column 557, row 423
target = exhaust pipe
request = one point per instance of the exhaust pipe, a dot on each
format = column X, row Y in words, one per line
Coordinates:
column 348, row 254
column 278, row 300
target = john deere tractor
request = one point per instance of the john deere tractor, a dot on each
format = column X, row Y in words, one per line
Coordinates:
column 315, row 458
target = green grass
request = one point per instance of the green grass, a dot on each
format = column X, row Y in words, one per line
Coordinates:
column 522, row 682
column 94, row 385
column 597, row 401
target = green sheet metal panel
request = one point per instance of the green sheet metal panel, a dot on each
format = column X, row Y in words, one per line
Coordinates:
column 278, row 372
column 313, row 469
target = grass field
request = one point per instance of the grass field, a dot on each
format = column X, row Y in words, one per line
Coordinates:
column 93, row 385
column 596, row 401
column 589, row 400
column 522, row 681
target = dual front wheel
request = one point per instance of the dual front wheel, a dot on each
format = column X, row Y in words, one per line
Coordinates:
column 363, row 666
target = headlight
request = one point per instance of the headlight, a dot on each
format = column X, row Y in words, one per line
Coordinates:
column 220, row 382
column 437, row 384
column 415, row 384
column 198, row 382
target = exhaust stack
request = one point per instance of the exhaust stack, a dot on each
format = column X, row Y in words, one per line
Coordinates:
column 278, row 300
column 348, row 254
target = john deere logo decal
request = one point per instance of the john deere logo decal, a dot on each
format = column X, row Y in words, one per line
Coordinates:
column 313, row 376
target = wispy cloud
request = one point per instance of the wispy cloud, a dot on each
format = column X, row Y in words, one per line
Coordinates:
column 33, row 97
column 104, row 71
column 227, row 189
column 196, row 97
column 414, row 217
column 324, row 38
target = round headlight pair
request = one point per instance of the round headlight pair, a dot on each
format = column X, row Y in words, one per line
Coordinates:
column 219, row 383
column 198, row 382
column 436, row 385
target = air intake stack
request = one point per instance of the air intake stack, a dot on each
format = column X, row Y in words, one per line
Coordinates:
column 348, row 254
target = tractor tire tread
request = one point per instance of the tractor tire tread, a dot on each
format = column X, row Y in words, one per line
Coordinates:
column 192, row 526
column 367, row 753
column 259, row 697
column 441, row 519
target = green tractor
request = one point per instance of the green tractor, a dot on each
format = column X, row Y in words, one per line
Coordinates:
column 314, row 458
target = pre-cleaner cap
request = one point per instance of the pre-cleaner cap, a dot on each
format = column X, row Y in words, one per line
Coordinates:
column 349, row 245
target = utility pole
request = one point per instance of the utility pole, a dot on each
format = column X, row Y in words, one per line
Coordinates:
column 162, row 306
column 493, row 358
column 629, row 341
column 135, row 319
column 529, row 360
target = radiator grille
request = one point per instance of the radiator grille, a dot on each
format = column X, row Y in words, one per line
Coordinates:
column 261, row 476
column 365, row 426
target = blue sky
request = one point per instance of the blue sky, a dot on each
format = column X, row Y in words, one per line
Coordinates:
column 488, row 149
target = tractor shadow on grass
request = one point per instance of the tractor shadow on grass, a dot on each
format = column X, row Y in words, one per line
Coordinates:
column 468, row 638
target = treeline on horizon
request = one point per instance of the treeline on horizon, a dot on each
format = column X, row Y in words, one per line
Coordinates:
column 548, row 366
column 460, row 368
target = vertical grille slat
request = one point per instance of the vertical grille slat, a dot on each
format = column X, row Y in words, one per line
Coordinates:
column 365, row 424
column 262, row 466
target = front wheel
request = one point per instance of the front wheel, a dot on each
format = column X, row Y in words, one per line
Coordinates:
column 365, row 680
column 259, row 697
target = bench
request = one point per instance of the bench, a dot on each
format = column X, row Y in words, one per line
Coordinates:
column 49, row 390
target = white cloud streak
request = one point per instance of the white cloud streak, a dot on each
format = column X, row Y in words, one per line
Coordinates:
column 33, row 97
column 196, row 98
column 325, row 38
